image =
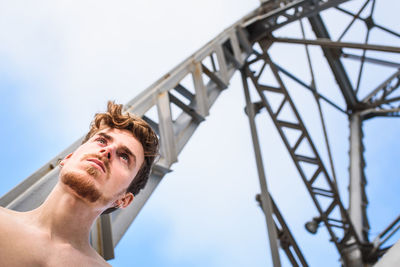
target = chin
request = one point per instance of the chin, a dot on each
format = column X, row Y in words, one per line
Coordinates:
column 82, row 184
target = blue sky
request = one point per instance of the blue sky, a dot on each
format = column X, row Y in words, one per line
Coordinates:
column 60, row 62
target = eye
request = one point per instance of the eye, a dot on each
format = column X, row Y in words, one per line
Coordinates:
column 101, row 140
column 124, row 156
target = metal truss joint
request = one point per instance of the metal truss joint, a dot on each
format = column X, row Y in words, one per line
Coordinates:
column 369, row 22
column 256, row 106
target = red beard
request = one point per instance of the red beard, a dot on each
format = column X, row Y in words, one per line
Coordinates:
column 83, row 186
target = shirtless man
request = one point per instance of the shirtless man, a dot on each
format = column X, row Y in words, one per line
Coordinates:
column 105, row 173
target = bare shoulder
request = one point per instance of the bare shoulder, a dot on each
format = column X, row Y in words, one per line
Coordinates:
column 66, row 255
column 7, row 216
column 102, row 262
column 10, row 218
column 4, row 211
column 96, row 262
column 4, row 218
column 99, row 259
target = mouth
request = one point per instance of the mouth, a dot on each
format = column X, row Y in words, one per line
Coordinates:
column 98, row 163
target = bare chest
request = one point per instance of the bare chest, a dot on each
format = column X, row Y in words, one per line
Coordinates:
column 18, row 245
column 21, row 245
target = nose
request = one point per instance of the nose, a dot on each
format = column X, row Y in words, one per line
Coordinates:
column 106, row 151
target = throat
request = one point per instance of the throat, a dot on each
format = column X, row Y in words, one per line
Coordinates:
column 65, row 218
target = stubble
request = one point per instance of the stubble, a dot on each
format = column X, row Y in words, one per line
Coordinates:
column 84, row 187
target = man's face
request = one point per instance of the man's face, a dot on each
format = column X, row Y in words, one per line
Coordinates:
column 101, row 169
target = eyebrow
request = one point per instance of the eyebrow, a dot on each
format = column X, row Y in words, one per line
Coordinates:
column 123, row 147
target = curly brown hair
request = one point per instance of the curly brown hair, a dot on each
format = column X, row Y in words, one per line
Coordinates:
column 140, row 129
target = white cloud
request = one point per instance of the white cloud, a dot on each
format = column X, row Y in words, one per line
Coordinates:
column 75, row 57
column 71, row 57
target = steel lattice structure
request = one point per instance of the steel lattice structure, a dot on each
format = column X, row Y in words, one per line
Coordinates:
column 247, row 46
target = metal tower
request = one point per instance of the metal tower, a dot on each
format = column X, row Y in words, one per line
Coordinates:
column 250, row 46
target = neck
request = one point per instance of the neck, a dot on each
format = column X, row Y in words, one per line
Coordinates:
column 66, row 217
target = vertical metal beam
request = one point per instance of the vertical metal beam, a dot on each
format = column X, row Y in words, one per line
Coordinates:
column 329, row 191
column 235, row 47
column 101, row 237
column 287, row 239
column 265, row 198
column 357, row 201
column 168, row 143
column 201, row 92
column 122, row 218
column 223, row 71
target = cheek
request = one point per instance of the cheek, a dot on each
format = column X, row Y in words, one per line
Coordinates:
column 120, row 180
column 70, row 164
column 128, row 179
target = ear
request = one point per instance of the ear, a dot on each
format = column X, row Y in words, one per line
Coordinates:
column 125, row 200
column 62, row 162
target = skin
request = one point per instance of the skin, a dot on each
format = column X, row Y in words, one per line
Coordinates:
column 57, row 232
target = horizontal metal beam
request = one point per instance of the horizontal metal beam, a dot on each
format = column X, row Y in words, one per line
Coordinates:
column 370, row 113
column 333, row 44
column 372, row 60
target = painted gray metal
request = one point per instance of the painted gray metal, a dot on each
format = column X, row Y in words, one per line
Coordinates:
column 20, row 199
column 355, row 247
column 174, row 134
column 266, row 203
column 230, row 50
column 358, row 199
column 372, row 60
column 328, row 193
column 287, row 240
column 323, row 42
column 336, row 65
column 391, row 258
column 357, row 196
column 278, row 13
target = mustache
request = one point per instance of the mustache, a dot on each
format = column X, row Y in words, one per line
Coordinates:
column 105, row 160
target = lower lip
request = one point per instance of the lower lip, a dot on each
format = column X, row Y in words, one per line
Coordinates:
column 96, row 165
